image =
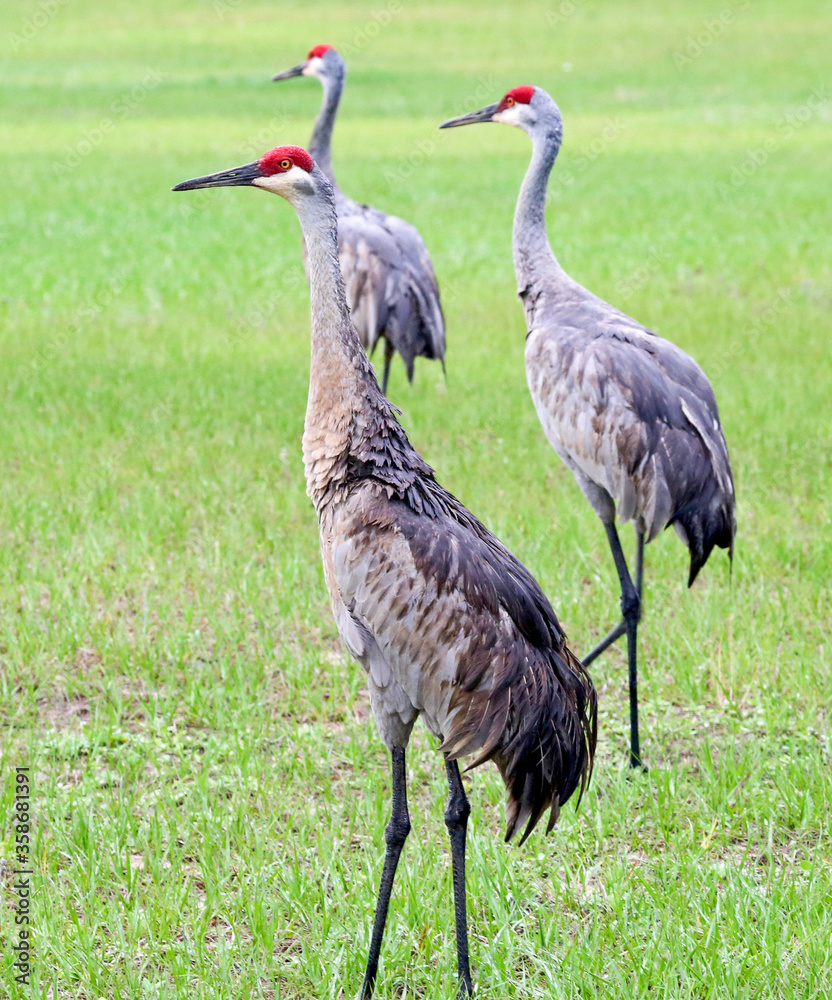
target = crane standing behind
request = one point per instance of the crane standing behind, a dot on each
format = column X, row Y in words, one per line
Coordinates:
column 391, row 288
column 632, row 415
column 445, row 620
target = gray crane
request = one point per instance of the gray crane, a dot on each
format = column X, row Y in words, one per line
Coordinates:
column 447, row 623
column 632, row 415
column 390, row 284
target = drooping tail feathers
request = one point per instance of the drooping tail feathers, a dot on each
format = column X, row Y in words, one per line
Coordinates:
column 540, row 730
column 701, row 526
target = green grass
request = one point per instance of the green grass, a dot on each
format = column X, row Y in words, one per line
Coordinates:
column 210, row 791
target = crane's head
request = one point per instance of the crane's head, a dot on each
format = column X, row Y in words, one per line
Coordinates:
column 528, row 108
column 286, row 170
column 323, row 61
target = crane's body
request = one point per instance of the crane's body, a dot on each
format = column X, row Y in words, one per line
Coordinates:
column 389, row 280
column 447, row 623
column 633, row 417
column 631, row 414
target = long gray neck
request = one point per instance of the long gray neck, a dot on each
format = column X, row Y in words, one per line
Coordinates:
column 320, row 145
column 534, row 260
column 342, row 386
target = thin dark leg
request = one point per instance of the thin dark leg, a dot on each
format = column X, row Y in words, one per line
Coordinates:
column 639, row 561
column 395, row 835
column 605, row 643
column 456, row 820
column 631, row 610
column 388, row 357
column 621, row 628
column 632, row 645
column 635, row 751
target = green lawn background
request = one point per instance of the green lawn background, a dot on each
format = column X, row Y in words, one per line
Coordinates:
column 210, row 791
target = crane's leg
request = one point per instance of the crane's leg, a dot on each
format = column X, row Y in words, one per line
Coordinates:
column 639, row 561
column 388, row 357
column 631, row 613
column 633, row 618
column 615, row 634
column 631, row 610
column 456, row 820
column 395, row 835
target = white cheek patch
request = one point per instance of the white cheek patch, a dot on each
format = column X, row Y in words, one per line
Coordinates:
column 294, row 179
column 511, row 116
column 266, row 182
column 312, row 68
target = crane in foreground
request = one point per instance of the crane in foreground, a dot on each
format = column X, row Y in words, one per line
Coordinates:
column 447, row 623
column 391, row 288
column 632, row 415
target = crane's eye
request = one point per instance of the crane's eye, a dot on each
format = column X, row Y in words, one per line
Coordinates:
column 286, row 164
column 509, row 102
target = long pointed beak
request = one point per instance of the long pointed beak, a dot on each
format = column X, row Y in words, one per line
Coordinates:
column 236, row 177
column 287, row 74
column 483, row 115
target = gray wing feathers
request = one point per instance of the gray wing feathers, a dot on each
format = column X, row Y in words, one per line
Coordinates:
column 366, row 285
column 470, row 638
column 382, row 589
column 710, row 431
column 390, row 284
column 636, row 420
column 393, row 709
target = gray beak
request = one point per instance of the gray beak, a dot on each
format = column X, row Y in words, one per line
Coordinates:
column 236, row 177
column 287, row 74
column 483, row 115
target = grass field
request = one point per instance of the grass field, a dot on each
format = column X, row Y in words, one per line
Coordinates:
column 210, row 792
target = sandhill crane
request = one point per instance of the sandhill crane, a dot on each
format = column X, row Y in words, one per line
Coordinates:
column 390, row 284
column 630, row 414
column 445, row 620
